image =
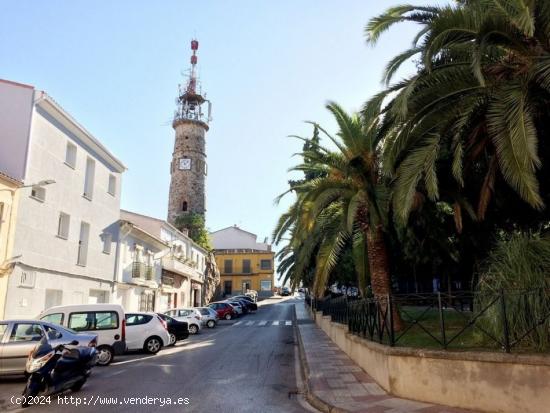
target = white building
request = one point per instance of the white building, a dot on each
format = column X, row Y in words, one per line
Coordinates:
column 138, row 281
column 183, row 266
column 63, row 252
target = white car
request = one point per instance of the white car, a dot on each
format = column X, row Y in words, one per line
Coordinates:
column 209, row 316
column 192, row 316
column 146, row 331
column 237, row 306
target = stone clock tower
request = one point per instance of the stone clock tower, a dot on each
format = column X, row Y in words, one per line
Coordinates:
column 188, row 168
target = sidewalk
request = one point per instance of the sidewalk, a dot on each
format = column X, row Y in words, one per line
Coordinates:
column 335, row 384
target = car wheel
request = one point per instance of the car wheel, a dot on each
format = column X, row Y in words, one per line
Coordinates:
column 172, row 339
column 193, row 329
column 105, row 355
column 152, row 345
column 211, row 324
column 228, row 316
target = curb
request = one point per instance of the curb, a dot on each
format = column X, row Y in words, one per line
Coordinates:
column 312, row 399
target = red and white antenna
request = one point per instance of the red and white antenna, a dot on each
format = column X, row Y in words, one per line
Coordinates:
column 192, row 86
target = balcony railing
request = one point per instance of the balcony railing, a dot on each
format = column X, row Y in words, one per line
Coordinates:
column 142, row 271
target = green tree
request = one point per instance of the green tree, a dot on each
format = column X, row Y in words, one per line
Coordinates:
column 468, row 123
column 195, row 224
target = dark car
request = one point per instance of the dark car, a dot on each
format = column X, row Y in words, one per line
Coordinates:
column 285, row 291
column 252, row 306
column 224, row 310
column 178, row 330
column 246, row 304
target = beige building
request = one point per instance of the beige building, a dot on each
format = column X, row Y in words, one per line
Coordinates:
column 9, row 196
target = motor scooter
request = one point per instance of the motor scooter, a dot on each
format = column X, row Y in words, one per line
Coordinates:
column 55, row 369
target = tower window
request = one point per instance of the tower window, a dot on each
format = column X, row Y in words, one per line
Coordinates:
column 184, row 206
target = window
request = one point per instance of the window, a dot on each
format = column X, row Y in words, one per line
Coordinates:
column 70, row 155
column 184, row 206
column 89, row 178
column 112, row 185
column 147, row 301
column 26, row 332
column 107, row 239
column 38, row 193
column 27, row 279
column 3, row 328
column 228, row 266
column 63, row 225
column 265, row 264
column 53, row 298
column 265, row 285
column 100, row 320
column 227, row 287
column 83, row 243
column 137, row 319
column 246, row 266
column 56, row 318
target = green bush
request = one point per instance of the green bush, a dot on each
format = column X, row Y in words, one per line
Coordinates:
column 519, row 266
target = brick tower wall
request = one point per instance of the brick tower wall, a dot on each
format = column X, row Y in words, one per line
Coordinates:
column 188, row 185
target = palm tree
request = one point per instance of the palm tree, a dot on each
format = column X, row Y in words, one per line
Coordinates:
column 347, row 200
column 474, row 108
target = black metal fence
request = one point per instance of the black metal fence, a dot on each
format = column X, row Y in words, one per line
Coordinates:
column 502, row 320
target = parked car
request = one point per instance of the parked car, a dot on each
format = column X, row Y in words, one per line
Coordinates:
column 224, row 310
column 285, row 291
column 192, row 316
column 252, row 305
column 209, row 316
column 146, row 331
column 178, row 330
column 247, row 305
column 105, row 320
column 237, row 306
column 301, row 290
column 19, row 337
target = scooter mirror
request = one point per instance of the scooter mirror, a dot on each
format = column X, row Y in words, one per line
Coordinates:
column 73, row 343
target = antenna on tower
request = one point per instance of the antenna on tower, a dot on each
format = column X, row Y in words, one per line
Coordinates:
column 189, row 100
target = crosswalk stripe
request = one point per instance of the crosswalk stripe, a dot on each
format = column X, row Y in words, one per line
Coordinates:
column 262, row 323
column 237, row 323
column 288, row 323
column 275, row 323
column 250, row 323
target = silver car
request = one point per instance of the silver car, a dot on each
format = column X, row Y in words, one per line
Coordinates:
column 209, row 316
column 19, row 337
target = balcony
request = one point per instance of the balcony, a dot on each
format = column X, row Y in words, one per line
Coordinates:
column 186, row 268
column 142, row 271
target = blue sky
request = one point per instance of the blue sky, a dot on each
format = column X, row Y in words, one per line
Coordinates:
column 267, row 66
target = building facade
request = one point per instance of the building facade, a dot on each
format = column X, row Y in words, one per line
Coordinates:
column 138, row 273
column 244, row 263
column 182, row 264
column 68, row 209
column 9, row 196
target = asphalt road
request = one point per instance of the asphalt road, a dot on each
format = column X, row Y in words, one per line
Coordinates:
column 243, row 365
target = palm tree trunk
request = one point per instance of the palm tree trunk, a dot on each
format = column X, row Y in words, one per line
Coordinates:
column 380, row 272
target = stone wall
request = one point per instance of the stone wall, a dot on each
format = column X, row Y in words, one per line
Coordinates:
column 488, row 382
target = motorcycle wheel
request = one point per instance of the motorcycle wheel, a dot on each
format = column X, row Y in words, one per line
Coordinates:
column 78, row 385
column 31, row 389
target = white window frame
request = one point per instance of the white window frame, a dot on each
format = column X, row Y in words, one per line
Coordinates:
column 70, row 155
column 89, row 178
column 83, row 241
column 107, row 242
column 63, row 227
column 27, row 279
column 111, row 189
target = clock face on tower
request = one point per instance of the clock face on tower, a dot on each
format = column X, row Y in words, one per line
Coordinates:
column 185, row 164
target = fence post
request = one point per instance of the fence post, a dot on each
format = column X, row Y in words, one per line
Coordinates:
column 505, row 322
column 441, row 320
column 390, row 310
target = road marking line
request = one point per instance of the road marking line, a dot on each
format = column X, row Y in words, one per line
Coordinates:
column 262, row 323
column 288, row 323
column 250, row 323
column 275, row 323
column 237, row 323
